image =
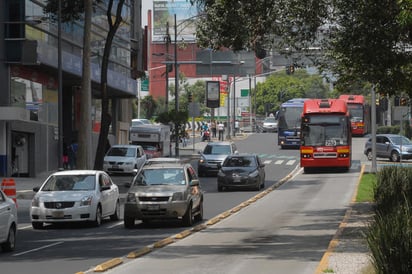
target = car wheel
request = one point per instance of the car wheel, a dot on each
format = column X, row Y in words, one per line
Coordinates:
column 369, row 154
column 98, row 219
column 116, row 214
column 199, row 215
column 395, row 156
column 128, row 222
column 10, row 243
column 188, row 217
column 37, row 225
column 262, row 186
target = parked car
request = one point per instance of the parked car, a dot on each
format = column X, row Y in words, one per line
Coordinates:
column 164, row 191
column 270, row 124
column 213, row 154
column 241, row 171
column 75, row 196
column 151, row 151
column 140, row 121
column 124, row 159
column 390, row 146
column 8, row 223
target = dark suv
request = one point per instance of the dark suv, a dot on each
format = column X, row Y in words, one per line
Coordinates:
column 390, row 146
column 213, row 154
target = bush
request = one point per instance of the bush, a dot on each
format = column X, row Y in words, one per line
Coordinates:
column 390, row 234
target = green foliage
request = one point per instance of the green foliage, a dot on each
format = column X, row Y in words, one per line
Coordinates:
column 177, row 118
column 148, row 106
column 280, row 87
column 366, row 188
column 71, row 10
column 390, row 234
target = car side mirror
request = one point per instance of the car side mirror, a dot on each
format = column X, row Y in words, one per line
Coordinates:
column 219, row 165
column 104, row 188
column 262, row 165
column 128, row 184
column 36, row 189
column 236, row 152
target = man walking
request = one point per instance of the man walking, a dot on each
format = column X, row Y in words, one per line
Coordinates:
column 221, row 130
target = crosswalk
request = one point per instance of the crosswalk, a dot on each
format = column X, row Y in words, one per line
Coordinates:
column 279, row 160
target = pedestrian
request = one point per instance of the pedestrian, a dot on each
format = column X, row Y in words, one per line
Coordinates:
column 236, row 127
column 213, row 126
column 72, row 154
column 65, row 156
column 221, row 130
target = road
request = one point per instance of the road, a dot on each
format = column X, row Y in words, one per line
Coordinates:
column 73, row 248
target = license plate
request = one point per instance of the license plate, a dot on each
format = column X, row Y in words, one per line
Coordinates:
column 153, row 207
column 58, row 214
column 236, row 179
column 115, row 166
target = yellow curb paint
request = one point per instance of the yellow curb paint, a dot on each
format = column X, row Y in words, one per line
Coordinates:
column 183, row 234
column 236, row 209
column 163, row 242
column 224, row 214
column 139, row 253
column 199, row 227
column 108, row 264
column 213, row 221
column 324, row 262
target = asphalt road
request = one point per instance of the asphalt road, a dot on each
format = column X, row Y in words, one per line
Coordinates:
column 74, row 248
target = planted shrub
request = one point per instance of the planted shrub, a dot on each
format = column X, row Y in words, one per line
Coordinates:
column 390, row 234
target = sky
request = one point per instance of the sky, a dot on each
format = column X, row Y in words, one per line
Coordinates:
column 146, row 5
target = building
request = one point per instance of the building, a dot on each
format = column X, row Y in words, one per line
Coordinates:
column 29, row 101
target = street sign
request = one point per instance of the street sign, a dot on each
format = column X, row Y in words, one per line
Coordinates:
column 144, row 85
column 244, row 92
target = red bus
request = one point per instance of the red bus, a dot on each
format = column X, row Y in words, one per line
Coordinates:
column 326, row 136
column 360, row 114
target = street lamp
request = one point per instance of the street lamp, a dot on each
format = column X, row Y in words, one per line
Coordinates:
column 234, row 96
column 60, row 83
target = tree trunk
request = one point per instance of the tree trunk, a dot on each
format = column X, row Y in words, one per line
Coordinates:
column 106, row 117
column 85, row 129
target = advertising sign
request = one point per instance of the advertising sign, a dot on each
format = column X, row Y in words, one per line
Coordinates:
column 212, row 94
column 163, row 17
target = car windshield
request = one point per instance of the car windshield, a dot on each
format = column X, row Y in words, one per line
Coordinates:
column 161, row 176
column 217, row 149
column 69, row 183
column 398, row 140
column 244, row 161
column 270, row 120
column 122, row 152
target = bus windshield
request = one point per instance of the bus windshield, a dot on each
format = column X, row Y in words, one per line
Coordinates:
column 289, row 117
column 329, row 132
column 356, row 112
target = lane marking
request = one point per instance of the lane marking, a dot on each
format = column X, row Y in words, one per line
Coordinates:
column 278, row 162
column 267, row 162
column 290, row 162
column 36, row 249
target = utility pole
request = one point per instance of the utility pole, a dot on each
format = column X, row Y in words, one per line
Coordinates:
column 176, row 92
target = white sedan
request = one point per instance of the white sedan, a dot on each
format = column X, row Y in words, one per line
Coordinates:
column 8, row 222
column 74, row 196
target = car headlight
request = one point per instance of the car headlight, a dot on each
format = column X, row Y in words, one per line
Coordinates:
column 131, row 198
column 129, row 163
column 405, row 149
column 177, row 196
column 202, row 160
column 254, row 173
column 86, row 200
column 35, row 202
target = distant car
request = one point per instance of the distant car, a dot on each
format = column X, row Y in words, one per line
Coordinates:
column 75, row 196
column 391, row 146
column 213, row 154
column 8, row 223
column 152, row 151
column 164, row 191
column 140, row 121
column 270, row 124
column 124, row 159
column 241, row 171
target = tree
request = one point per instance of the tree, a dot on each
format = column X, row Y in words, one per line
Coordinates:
column 363, row 40
column 71, row 11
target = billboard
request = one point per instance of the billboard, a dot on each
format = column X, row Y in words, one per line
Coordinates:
column 212, row 94
column 163, row 17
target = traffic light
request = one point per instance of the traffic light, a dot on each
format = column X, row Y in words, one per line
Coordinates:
column 189, row 97
column 403, row 101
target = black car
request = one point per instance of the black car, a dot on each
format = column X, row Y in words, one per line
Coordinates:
column 241, row 171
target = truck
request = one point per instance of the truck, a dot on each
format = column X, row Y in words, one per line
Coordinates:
column 154, row 138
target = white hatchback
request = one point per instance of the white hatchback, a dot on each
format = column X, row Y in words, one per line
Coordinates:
column 124, row 159
column 8, row 222
column 75, row 196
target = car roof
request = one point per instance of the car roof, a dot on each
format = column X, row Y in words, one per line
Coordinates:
column 162, row 165
column 126, row 146
column 219, row 143
column 77, row 172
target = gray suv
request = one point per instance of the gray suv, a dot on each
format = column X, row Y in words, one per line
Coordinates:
column 213, row 154
column 164, row 190
column 390, row 146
